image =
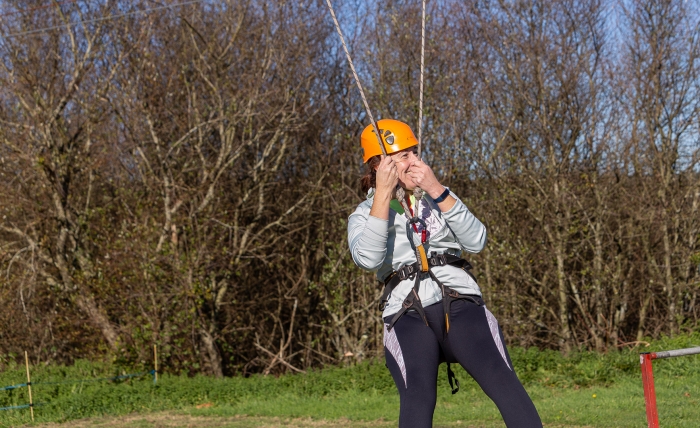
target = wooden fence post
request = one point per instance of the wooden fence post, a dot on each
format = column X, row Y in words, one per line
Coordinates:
column 29, row 385
column 155, row 364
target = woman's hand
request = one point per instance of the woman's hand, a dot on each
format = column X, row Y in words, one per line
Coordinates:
column 387, row 177
column 423, row 177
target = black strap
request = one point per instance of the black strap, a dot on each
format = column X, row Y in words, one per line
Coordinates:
column 451, row 377
column 412, row 301
column 390, row 282
column 409, row 271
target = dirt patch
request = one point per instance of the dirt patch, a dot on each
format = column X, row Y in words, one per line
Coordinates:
column 182, row 420
column 171, row 420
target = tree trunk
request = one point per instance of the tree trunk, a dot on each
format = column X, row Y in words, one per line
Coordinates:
column 565, row 331
column 86, row 303
column 212, row 353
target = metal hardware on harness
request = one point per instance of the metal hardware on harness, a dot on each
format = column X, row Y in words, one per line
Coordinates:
column 437, row 259
column 410, row 271
column 419, row 250
column 411, row 222
column 407, row 272
column 382, row 304
column 412, row 301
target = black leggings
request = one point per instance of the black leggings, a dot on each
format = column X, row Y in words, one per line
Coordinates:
column 414, row 351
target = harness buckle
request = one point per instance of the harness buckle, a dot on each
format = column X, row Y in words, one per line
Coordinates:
column 406, row 272
column 438, row 260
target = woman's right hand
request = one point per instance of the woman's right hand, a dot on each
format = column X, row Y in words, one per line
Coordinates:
column 387, row 177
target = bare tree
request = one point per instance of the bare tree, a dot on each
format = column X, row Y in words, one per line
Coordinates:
column 182, row 176
column 662, row 106
column 53, row 117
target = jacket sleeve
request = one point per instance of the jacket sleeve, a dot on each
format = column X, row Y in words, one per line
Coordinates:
column 367, row 237
column 468, row 230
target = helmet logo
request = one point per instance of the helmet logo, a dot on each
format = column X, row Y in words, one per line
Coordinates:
column 388, row 136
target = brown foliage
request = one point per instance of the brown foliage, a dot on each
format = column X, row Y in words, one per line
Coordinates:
column 182, row 177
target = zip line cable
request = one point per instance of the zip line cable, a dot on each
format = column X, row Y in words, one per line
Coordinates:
column 104, row 18
column 357, row 79
column 32, row 9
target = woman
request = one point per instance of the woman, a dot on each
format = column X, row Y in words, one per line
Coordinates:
column 418, row 260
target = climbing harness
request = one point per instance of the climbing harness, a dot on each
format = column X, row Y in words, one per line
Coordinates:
column 414, row 271
column 412, row 301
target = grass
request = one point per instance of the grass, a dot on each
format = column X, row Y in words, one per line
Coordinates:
column 584, row 389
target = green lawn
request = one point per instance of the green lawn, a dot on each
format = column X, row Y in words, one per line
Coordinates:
column 619, row 405
column 585, row 389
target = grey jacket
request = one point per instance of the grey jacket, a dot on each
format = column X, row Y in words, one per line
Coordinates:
column 383, row 246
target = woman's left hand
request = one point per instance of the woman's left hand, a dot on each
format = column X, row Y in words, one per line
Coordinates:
column 423, row 176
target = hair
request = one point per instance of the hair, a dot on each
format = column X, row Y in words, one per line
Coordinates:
column 369, row 180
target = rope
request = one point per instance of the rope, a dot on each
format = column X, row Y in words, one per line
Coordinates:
column 104, row 18
column 422, row 72
column 418, row 192
column 32, row 9
column 357, row 79
column 400, row 193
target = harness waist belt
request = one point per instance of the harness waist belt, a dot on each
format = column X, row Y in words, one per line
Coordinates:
column 409, row 271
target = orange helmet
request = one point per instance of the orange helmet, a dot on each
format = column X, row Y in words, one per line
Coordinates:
column 395, row 135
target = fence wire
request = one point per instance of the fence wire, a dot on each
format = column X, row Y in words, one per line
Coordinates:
column 71, row 381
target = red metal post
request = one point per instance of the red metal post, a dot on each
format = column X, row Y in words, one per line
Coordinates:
column 649, row 392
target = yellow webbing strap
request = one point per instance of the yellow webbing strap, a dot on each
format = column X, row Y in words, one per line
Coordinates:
column 423, row 258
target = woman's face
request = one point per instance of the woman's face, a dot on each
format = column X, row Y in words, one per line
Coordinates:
column 403, row 160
